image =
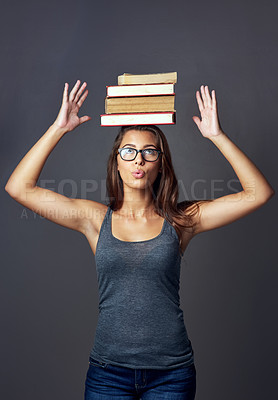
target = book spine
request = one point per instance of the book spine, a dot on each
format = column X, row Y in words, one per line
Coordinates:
column 129, row 79
column 129, row 121
column 142, row 90
column 141, row 113
column 114, row 105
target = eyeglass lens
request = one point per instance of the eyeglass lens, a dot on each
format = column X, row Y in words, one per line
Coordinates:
column 148, row 154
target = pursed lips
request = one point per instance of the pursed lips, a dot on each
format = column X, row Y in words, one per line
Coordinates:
column 138, row 173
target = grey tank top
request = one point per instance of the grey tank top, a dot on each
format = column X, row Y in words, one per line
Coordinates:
column 140, row 322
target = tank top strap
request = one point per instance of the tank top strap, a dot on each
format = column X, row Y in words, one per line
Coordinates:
column 104, row 233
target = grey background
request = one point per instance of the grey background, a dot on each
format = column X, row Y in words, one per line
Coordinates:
column 229, row 276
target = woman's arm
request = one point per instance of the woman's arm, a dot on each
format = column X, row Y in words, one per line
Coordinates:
column 22, row 184
column 256, row 190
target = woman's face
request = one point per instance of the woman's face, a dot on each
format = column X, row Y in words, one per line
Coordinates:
column 138, row 140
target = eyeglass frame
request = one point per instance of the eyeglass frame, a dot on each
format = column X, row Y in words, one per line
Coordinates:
column 139, row 151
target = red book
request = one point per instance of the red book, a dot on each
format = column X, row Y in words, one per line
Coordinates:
column 156, row 89
column 158, row 118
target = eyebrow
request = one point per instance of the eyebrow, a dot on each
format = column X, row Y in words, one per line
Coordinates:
column 131, row 144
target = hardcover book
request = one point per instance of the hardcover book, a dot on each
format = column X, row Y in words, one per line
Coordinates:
column 140, row 90
column 132, row 79
column 138, row 119
column 118, row 105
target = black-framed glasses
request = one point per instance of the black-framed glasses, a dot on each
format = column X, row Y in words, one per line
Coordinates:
column 129, row 154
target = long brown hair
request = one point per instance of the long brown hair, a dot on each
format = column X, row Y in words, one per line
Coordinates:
column 165, row 188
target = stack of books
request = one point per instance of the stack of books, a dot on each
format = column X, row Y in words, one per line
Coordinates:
column 141, row 100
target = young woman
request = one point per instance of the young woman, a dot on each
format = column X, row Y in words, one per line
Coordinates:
column 141, row 347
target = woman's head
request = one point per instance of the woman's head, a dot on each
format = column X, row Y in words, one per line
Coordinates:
column 159, row 175
column 147, row 160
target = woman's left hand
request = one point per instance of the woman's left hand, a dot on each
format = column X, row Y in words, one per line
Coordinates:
column 209, row 126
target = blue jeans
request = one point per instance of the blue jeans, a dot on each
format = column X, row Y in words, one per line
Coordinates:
column 106, row 381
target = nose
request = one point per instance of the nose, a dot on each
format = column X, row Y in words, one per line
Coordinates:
column 139, row 158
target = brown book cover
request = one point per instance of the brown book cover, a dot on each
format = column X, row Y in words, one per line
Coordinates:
column 137, row 79
column 137, row 104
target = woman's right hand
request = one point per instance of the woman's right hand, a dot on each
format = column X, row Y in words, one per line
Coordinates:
column 67, row 118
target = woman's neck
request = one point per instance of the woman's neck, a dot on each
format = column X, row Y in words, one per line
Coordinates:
column 137, row 204
column 133, row 210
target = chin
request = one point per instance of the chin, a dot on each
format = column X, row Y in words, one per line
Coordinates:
column 138, row 183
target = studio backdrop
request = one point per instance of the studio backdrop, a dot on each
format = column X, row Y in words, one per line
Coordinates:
column 49, row 295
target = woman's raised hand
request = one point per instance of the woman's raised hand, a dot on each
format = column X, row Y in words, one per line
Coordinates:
column 209, row 126
column 67, row 118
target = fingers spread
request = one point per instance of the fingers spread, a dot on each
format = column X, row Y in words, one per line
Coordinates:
column 197, row 121
column 65, row 94
column 204, row 96
column 84, row 119
column 208, row 98
column 199, row 101
column 213, row 99
column 74, row 90
column 82, row 98
column 77, row 97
